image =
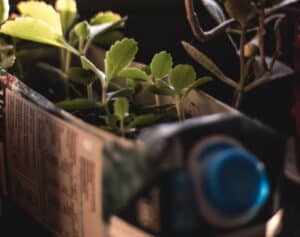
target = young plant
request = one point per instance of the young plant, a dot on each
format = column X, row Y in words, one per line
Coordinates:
column 181, row 80
column 121, row 111
column 251, row 53
column 160, row 67
column 127, row 121
column 41, row 23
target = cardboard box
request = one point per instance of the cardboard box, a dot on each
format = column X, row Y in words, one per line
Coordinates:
column 55, row 162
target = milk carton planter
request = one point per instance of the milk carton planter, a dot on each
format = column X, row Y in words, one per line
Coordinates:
column 55, row 150
column 71, row 176
column 60, row 169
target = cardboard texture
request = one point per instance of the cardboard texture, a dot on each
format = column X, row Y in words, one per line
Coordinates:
column 54, row 164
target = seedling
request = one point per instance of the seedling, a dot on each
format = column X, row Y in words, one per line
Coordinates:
column 251, row 53
column 160, row 66
column 181, row 80
column 40, row 22
column 129, row 121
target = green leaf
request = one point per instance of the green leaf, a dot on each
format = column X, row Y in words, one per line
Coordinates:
column 123, row 92
column 67, row 10
column 41, row 11
column 208, row 64
column 133, row 73
column 106, row 17
column 182, row 77
column 4, row 10
column 214, row 10
column 121, row 108
column 201, row 81
column 120, row 55
column 81, row 76
column 7, row 62
column 96, row 30
column 52, row 69
column 142, row 120
column 161, row 64
column 76, row 104
column 28, row 28
column 108, row 38
column 82, row 30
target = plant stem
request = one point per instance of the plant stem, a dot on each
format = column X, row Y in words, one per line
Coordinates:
column 89, row 89
column 178, row 107
column 240, row 91
column 157, row 102
column 261, row 33
column 104, row 93
column 122, row 127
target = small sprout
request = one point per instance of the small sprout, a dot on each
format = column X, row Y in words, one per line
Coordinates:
column 121, row 111
column 120, row 55
column 160, row 66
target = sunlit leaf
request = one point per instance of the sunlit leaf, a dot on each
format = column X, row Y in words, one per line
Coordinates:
column 182, row 77
column 4, row 10
column 41, row 11
column 82, row 30
column 31, row 29
column 121, row 108
column 120, row 55
column 161, row 64
column 106, row 17
column 133, row 73
column 67, row 10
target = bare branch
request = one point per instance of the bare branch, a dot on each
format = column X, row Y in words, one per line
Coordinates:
column 198, row 32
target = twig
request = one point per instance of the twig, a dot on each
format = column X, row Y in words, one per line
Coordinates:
column 198, row 32
column 240, row 91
